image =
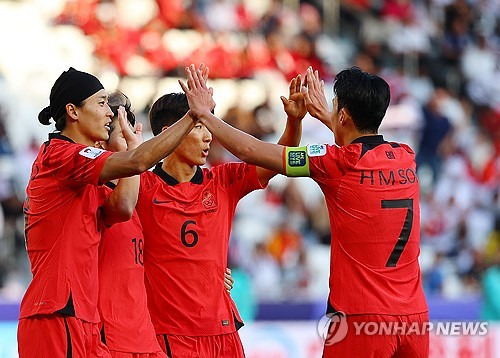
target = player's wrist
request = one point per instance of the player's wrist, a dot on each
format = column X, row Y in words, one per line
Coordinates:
column 323, row 115
column 132, row 144
column 192, row 115
column 204, row 115
column 293, row 121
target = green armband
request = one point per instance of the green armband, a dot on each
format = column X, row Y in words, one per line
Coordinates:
column 297, row 162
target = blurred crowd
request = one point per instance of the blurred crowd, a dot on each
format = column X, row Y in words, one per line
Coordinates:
column 440, row 57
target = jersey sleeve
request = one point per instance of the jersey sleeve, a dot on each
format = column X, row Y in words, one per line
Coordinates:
column 239, row 178
column 75, row 164
column 318, row 161
column 103, row 193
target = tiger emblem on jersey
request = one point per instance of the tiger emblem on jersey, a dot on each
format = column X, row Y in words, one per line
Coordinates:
column 208, row 200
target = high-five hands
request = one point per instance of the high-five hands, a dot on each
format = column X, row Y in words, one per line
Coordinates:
column 133, row 139
column 314, row 97
column 295, row 106
column 198, row 95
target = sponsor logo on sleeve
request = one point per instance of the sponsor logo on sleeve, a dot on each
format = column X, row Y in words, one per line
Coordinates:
column 316, row 150
column 296, row 158
column 91, row 152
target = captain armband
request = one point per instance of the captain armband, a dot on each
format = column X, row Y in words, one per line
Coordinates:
column 297, row 162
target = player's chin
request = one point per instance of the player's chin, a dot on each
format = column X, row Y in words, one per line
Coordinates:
column 103, row 135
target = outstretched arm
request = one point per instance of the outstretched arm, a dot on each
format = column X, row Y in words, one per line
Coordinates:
column 315, row 99
column 241, row 144
column 125, row 164
column 295, row 109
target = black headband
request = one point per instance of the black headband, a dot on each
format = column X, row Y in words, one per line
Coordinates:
column 72, row 86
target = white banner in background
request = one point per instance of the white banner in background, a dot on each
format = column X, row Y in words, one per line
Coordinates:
column 301, row 340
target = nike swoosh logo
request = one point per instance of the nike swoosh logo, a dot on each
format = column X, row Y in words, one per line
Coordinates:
column 156, row 201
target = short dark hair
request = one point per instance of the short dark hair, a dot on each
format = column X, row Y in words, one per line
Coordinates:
column 118, row 99
column 167, row 110
column 365, row 96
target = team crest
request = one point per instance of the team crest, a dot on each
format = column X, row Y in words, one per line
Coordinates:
column 208, row 200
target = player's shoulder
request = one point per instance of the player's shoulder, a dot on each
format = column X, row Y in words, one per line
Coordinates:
column 320, row 149
column 59, row 147
column 148, row 175
column 227, row 174
column 403, row 146
column 401, row 151
column 356, row 151
column 148, row 180
column 225, row 168
column 64, row 148
column 324, row 155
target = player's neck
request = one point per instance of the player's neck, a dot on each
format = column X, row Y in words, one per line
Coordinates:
column 178, row 169
column 77, row 137
column 349, row 138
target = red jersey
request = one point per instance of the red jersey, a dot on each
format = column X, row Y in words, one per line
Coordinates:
column 372, row 194
column 186, row 233
column 61, row 231
column 126, row 323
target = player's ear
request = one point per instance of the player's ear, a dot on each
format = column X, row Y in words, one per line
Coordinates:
column 71, row 111
column 164, row 128
column 344, row 116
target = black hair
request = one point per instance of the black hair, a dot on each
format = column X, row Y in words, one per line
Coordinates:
column 45, row 115
column 117, row 99
column 167, row 110
column 365, row 96
column 72, row 86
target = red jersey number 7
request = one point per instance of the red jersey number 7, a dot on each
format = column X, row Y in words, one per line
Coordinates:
column 405, row 231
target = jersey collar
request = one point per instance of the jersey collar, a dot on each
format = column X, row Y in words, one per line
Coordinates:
column 58, row 135
column 368, row 143
column 170, row 180
column 370, row 139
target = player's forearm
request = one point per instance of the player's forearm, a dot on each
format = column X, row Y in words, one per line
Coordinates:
column 120, row 205
column 249, row 149
column 152, row 151
column 137, row 161
column 324, row 118
column 292, row 134
column 291, row 137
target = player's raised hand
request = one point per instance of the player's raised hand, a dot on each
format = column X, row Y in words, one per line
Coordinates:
column 295, row 106
column 228, row 280
column 133, row 139
column 198, row 95
column 314, row 96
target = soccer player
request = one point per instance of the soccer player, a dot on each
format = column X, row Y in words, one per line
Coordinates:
column 59, row 313
column 186, row 213
column 126, row 326
column 372, row 194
